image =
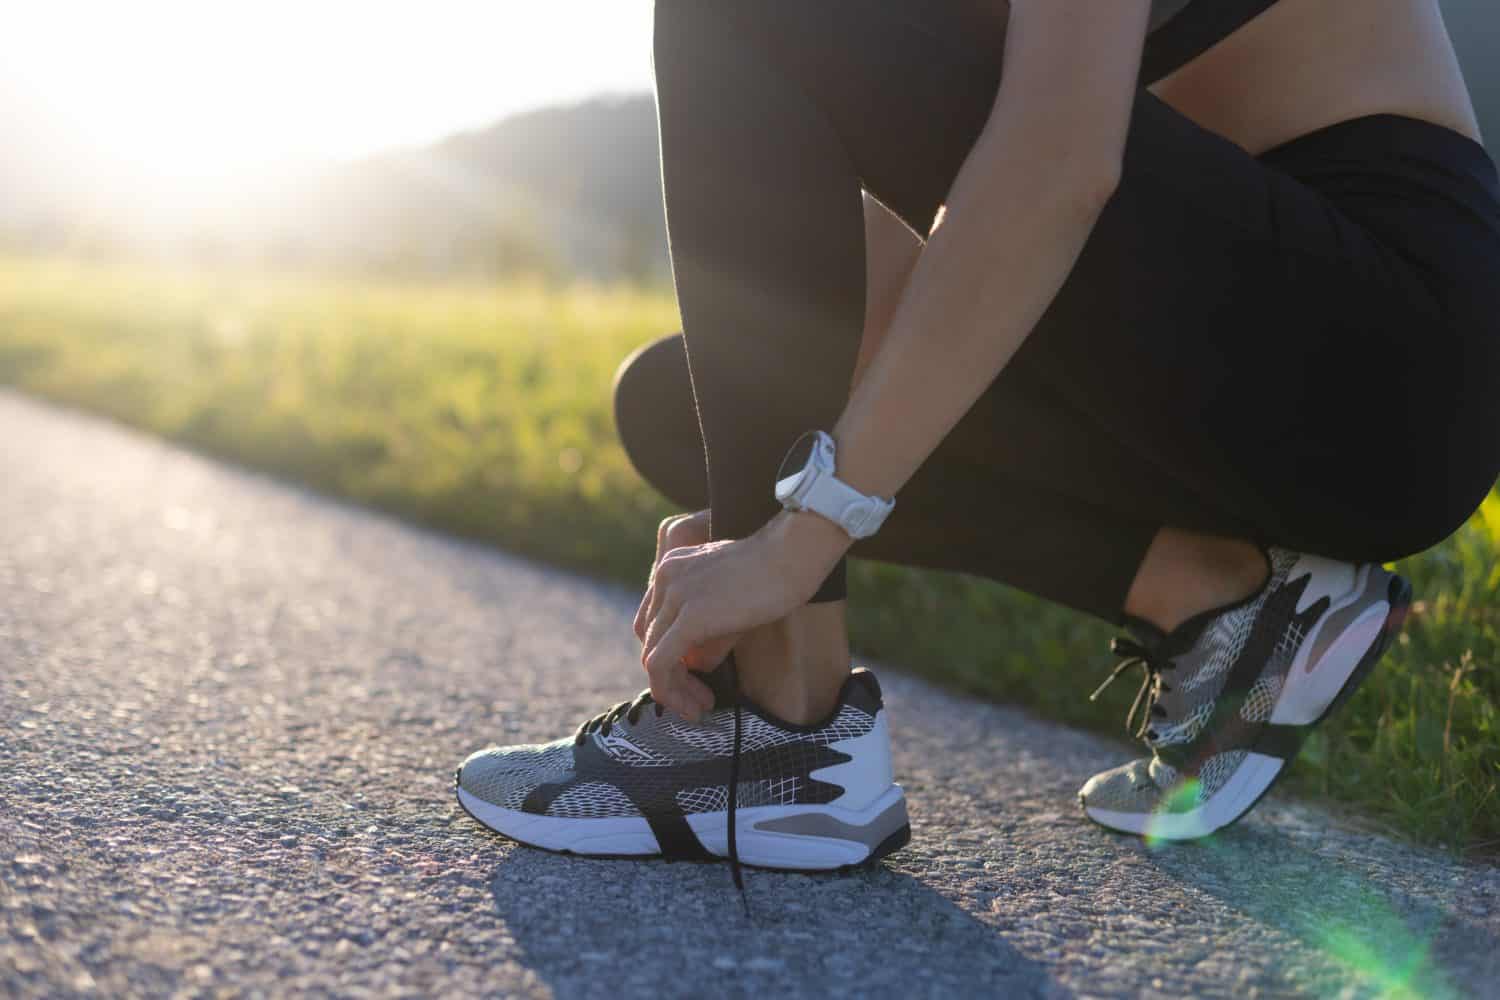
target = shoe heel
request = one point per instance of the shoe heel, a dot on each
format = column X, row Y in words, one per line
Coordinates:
column 1399, row 594
column 812, row 837
column 889, row 845
column 1341, row 648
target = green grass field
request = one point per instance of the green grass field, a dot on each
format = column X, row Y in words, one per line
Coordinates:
column 486, row 411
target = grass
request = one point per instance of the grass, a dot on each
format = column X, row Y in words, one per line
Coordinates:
column 485, row 411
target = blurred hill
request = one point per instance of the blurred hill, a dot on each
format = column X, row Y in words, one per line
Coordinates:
column 569, row 190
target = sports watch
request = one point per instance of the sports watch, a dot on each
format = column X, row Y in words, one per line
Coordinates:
column 806, row 482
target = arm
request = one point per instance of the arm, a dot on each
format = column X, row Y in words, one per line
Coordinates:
column 1018, row 215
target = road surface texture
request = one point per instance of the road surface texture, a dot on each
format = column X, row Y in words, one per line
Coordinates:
column 230, row 712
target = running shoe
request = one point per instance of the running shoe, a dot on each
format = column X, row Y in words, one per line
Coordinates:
column 1231, row 694
column 639, row 780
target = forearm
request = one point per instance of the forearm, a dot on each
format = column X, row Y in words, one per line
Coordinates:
column 1018, row 215
column 1015, row 225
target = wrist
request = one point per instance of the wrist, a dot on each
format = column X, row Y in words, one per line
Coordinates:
column 811, row 532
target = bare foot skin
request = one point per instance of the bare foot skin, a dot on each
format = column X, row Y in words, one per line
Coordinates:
column 1185, row 573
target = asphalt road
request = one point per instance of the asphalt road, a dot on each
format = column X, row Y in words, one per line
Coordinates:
column 230, row 713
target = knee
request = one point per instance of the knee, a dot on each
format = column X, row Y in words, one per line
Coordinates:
column 1431, row 508
column 656, row 419
column 1440, row 515
column 649, row 381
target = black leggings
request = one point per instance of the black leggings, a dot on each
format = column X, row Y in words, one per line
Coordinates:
column 1299, row 348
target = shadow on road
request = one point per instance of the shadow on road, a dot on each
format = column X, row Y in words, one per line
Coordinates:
column 586, row 924
column 1399, row 942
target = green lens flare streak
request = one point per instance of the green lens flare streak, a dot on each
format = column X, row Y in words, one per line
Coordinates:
column 1379, row 948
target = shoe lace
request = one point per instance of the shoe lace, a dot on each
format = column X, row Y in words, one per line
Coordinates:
column 734, row 785
column 1137, row 654
column 631, row 710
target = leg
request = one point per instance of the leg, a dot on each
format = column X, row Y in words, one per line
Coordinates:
column 762, row 199
column 1184, row 337
column 1076, row 550
column 765, row 224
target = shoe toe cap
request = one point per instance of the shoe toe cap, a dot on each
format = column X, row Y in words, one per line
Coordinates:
column 1127, row 788
column 504, row 776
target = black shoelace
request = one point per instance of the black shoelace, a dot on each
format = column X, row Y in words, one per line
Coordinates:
column 1152, row 686
column 734, row 787
column 604, row 721
column 630, row 711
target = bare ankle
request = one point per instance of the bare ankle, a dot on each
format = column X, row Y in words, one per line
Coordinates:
column 796, row 667
column 1185, row 574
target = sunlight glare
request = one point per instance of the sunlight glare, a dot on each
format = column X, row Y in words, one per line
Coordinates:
column 189, row 92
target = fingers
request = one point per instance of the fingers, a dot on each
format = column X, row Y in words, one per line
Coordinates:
column 667, row 592
column 655, row 600
column 692, row 619
column 674, row 532
column 680, row 530
column 639, row 625
column 680, row 636
column 663, row 533
column 672, row 683
column 663, row 604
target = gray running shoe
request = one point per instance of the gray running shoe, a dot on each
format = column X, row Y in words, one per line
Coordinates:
column 641, row 781
column 1230, row 695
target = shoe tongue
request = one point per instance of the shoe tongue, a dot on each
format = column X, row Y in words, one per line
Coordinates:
column 1179, row 640
column 1144, row 632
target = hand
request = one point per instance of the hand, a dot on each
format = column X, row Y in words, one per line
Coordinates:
column 704, row 597
column 675, row 532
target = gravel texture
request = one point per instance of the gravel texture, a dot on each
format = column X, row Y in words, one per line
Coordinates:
column 230, row 713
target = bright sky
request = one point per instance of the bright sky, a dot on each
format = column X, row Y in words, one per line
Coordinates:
column 196, row 90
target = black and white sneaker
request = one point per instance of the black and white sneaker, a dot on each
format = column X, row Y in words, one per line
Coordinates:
column 1231, row 694
column 641, row 781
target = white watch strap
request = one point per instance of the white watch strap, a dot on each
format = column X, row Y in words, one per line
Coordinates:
column 858, row 514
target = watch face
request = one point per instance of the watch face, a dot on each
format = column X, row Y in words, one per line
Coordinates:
column 794, row 465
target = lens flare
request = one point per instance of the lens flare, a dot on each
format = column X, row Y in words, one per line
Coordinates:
column 1348, row 919
column 1175, row 819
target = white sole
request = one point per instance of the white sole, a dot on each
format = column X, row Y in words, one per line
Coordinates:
column 766, row 836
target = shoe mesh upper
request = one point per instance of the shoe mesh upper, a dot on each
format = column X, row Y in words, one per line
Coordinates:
column 503, row 776
column 666, row 758
column 1268, row 628
column 1200, row 673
